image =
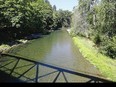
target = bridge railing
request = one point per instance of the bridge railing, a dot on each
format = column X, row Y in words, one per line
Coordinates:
column 35, row 64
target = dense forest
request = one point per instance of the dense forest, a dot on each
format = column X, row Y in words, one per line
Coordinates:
column 96, row 20
column 20, row 18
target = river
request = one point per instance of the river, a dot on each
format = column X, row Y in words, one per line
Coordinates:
column 57, row 49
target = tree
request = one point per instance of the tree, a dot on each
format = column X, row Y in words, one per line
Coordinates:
column 96, row 19
column 22, row 17
column 19, row 18
column 62, row 18
column 54, row 8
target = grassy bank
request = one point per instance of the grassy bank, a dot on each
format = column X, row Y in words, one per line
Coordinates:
column 106, row 66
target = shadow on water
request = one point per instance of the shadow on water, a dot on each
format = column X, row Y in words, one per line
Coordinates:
column 11, row 74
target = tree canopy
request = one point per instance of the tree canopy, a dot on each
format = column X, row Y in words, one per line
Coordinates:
column 96, row 19
column 19, row 18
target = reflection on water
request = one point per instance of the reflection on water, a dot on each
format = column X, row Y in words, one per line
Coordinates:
column 56, row 49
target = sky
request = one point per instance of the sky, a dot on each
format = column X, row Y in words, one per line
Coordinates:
column 64, row 4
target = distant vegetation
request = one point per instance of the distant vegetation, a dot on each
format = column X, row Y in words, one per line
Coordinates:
column 96, row 20
column 19, row 18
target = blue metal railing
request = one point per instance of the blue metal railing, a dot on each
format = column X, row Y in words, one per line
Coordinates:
column 35, row 64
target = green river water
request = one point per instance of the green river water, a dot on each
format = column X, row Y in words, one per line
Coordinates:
column 56, row 49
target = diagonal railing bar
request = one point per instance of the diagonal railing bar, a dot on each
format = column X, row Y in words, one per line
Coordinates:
column 43, row 75
column 16, row 73
column 56, row 77
column 23, row 66
column 7, row 63
column 65, row 77
column 1, row 61
column 95, row 78
column 47, row 74
column 37, row 73
column 25, row 72
column 17, row 57
column 14, row 66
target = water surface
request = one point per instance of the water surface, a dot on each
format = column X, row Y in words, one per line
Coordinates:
column 56, row 49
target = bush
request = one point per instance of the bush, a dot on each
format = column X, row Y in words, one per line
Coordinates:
column 108, row 47
column 97, row 39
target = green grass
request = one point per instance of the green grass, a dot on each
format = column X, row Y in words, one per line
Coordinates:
column 106, row 66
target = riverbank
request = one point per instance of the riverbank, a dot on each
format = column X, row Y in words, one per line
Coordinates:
column 55, row 49
column 106, row 66
column 9, row 45
column 6, row 46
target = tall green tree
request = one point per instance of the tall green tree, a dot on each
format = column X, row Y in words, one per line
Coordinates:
column 62, row 18
column 96, row 19
column 22, row 17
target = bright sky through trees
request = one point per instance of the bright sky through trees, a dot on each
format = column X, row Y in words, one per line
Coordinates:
column 64, row 4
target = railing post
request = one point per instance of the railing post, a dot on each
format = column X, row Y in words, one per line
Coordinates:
column 65, row 77
column 57, row 77
column 25, row 72
column 37, row 73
